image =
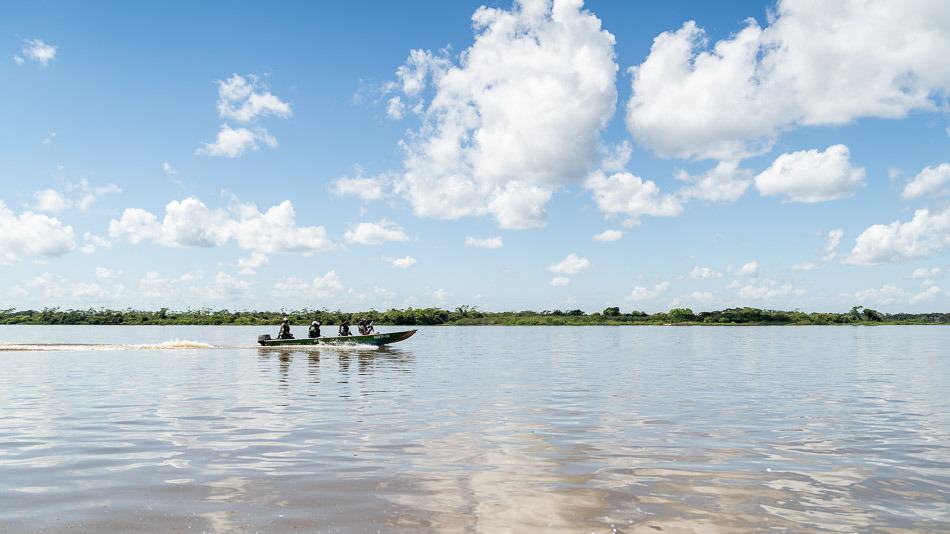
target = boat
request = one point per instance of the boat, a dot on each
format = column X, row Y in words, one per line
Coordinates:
column 372, row 339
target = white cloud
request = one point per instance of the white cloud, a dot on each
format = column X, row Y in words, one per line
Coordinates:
column 925, row 295
column 923, row 236
column 32, row 234
column 832, row 242
column 625, row 194
column 190, row 223
column 93, row 242
column 484, row 242
column 811, row 176
column 223, row 286
column 647, row 293
column 36, row 50
column 168, row 169
column 232, row 142
column 366, row 233
column 560, row 281
column 364, row 187
column 81, row 195
column 48, row 139
column 609, row 235
column 402, row 263
column 724, row 183
column 693, row 299
column 767, row 291
column 440, row 295
column 104, row 273
column 250, row 264
column 245, row 100
column 749, row 269
column 931, row 181
column 805, row 266
column 704, row 273
column 889, row 295
column 572, row 264
column 516, row 118
column 321, row 286
column 395, row 108
column 616, row 157
column 921, row 272
column 49, row 200
column 814, row 64
column 47, row 287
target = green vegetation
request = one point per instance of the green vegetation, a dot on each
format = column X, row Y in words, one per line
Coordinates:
column 466, row 315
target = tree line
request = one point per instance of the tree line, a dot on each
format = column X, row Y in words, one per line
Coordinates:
column 464, row 315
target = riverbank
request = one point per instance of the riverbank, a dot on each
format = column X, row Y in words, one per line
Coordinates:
column 467, row 316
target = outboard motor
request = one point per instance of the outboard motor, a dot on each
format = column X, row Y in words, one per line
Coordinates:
column 263, row 338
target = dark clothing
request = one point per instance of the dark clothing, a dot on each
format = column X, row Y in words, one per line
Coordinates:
column 345, row 329
column 314, row 330
column 285, row 331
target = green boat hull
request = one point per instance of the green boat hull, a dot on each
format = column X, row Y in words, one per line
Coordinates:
column 372, row 339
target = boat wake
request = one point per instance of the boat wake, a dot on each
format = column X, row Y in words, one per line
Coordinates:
column 93, row 347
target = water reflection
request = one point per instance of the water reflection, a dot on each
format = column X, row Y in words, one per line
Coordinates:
column 479, row 429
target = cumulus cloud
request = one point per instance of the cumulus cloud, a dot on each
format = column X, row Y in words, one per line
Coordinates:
column 921, row 272
column 560, row 281
column 367, row 233
column 49, row 200
column 724, row 183
column 889, row 294
column 244, row 100
column 48, row 287
column 931, row 181
column 623, row 193
column 104, row 273
column 81, row 195
column 811, row 176
column 814, row 64
column 232, row 142
column 36, row 50
column 321, row 286
column 30, row 234
column 925, row 235
column 648, row 293
column 250, row 264
column 484, row 242
column 831, row 243
column 608, row 235
column 805, row 266
column 190, row 223
column 704, row 273
column 572, row 264
column 93, row 243
column 364, row 187
column 518, row 116
column 749, row 268
column 767, row 291
column 402, row 263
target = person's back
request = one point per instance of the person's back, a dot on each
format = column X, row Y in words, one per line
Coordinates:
column 285, row 330
column 345, row 328
column 314, row 329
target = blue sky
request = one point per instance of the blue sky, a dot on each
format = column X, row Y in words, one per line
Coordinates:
column 439, row 154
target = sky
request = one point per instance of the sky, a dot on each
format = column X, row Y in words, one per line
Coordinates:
column 508, row 156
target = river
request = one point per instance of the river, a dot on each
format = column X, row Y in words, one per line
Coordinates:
column 481, row 429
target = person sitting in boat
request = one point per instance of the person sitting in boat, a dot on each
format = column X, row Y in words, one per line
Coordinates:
column 314, row 329
column 366, row 327
column 285, row 330
column 345, row 328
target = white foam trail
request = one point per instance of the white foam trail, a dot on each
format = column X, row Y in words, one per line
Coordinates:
column 92, row 347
